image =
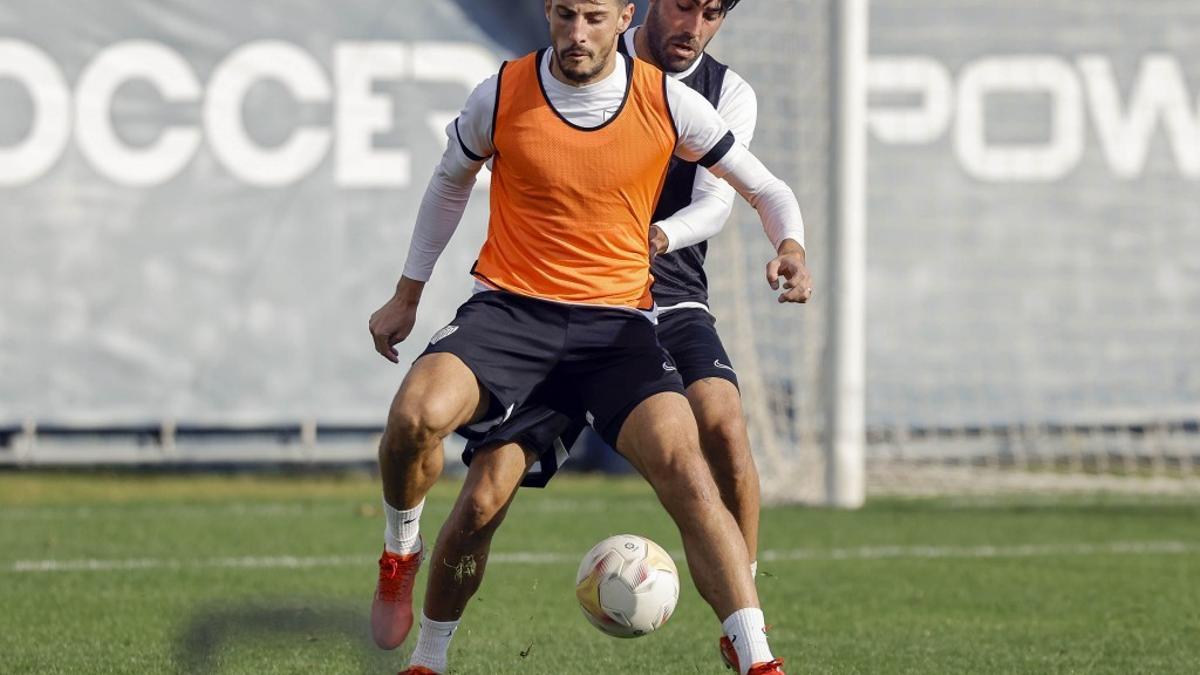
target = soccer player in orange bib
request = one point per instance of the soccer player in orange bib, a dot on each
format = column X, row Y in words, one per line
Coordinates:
column 580, row 137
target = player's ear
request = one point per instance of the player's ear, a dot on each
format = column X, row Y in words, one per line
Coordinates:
column 549, row 5
column 626, row 17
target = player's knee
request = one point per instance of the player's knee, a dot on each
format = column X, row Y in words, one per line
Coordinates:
column 479, row 515
column 681, row 476
column 728, row 436
column 412, row 424
column 727, row 451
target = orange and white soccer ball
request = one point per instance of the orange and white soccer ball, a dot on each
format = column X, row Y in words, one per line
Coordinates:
column 627, row 586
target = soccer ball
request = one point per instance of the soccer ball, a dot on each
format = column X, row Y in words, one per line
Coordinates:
column 627, row 586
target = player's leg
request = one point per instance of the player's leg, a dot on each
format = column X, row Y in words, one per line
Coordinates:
column 499, row 462
column 439, row 395
column 718, row 408
column 690, row 336
column 494, row 354
column 726, row 445
column 660, row 438
column 635, row 399
column 460, row 556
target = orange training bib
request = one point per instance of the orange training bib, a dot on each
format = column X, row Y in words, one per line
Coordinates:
column 570, row 206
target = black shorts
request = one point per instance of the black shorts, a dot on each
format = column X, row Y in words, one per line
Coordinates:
column 548, row 424
column 689, row 335
column 513, row 344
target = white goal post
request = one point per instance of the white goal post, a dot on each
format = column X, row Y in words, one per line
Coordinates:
column 845, row 469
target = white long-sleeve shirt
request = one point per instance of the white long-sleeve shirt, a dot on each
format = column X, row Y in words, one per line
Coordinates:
column 699, row 128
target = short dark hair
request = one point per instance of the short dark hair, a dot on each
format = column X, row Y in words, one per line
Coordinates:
column 726, row 5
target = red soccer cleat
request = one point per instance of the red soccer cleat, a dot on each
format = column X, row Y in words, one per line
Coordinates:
column 391, row 610
column 728, row 653
column 767, row 668
column 418, row 670
column 730, row 658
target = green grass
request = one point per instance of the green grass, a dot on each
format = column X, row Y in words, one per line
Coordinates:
column 835, row 609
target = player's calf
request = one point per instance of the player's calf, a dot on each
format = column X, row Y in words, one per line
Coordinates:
column 727, row 451
column 726, row 446
column 460, row 556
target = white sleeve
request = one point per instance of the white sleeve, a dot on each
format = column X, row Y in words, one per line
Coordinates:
column 772, row 198
column 703, row 136
column 472, row 130
column 468, row 146
column 712, row 198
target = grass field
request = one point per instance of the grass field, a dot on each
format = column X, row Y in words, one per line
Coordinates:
column 161, row 574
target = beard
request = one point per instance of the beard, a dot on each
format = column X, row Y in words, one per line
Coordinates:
column 659, row 43
column 582, row 71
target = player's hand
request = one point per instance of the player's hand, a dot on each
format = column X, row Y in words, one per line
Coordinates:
column 391, row 324
column 657, row 241
column 790, row 270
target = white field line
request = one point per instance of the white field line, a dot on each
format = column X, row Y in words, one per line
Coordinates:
column 196, row 511
column 534, row 558
column 987, row 551
column 263, row 509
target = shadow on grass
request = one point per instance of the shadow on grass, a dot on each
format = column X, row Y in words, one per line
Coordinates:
column 214, row 631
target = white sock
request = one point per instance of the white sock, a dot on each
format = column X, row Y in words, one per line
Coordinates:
column 748, row 632
column 403, row 527
column 754, row 569
column 433, row 643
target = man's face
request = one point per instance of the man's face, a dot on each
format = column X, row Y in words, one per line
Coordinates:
column 678, row 31
column 584, row 34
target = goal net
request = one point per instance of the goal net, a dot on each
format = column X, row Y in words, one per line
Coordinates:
column 1032, row 302
column 783, row 49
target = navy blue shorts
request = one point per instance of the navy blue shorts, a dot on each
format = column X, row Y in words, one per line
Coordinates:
column 549, row 423
column 690, row 336
column 514, row 344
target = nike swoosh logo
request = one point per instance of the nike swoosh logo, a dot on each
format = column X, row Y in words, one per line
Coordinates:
column 443, row 333
column 717, row 363
column 409, row 521
column 668, row 367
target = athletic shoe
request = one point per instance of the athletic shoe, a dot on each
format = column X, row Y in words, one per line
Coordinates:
column 391, row 610
column 730, row 658
column 728, row 653
column 418, row 670
column 767, row 668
